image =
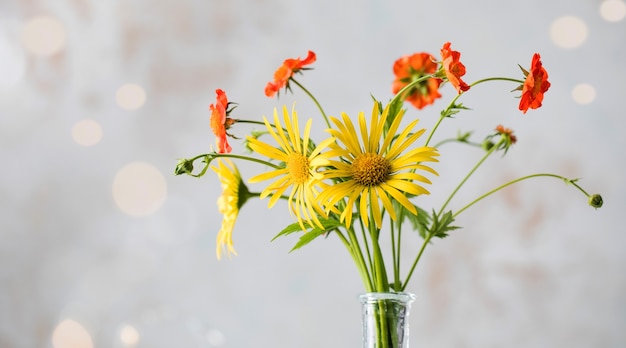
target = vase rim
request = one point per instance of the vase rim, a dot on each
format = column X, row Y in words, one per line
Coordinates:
column 399, row 296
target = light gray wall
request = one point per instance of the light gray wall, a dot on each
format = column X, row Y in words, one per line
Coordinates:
column 534, row 266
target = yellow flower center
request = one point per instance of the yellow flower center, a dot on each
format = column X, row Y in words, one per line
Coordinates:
column 370, row 169
column 298, row 166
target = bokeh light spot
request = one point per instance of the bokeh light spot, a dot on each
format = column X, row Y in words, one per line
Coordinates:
column 87, row 132
column 613, row 10
column 568, row 32
column 129, row 336
column 130, row 96
column 71, row 334
column 139, row 189
column 215, row 337
column 12, row 63
column 583, row 93
column 43, row 36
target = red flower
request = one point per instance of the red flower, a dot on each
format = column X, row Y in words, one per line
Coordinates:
column 535, row 85
column 285, row 72
column 411, row 68
column 220, row 122
column 453, row 68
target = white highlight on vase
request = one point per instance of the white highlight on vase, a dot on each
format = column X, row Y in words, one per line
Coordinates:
column 130, row 96
column 12, row 62
column 568, row 32
column 139, row 189
column 87, row 132
column 583, row 93
column 71, row 334
column 43, row 36
column 613, row 10
column 129, row 336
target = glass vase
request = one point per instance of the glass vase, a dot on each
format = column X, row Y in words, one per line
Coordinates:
column 386, row 319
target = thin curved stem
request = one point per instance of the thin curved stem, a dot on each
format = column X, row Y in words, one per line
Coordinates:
column 496, row 79
column 411, row 84
column 416, row 261
column 453, row 101
column 441, row 117
column 212, row 156
column 319, row 106
column 482, row 160
column 456, row 140
column 568, row 181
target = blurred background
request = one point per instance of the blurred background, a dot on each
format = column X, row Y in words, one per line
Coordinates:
column 101, row 246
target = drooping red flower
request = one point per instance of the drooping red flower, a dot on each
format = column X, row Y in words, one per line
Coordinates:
column 410, row 68
column 220, row 122
column 453, row 68
column 535, row 85
column 285, row 72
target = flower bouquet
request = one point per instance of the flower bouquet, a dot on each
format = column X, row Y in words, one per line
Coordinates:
column 362, row 183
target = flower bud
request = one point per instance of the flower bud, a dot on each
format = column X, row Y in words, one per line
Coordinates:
column 184, row 166
column 487, row 145
column 595, row 201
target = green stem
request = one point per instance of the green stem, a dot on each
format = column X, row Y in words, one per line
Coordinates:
column 491, row 150
column 360, row 260
column 380, row 275
column 367, row 248
column 452, row 103
column 395, row 251
column 211, row 156
column 569, row 181
column 453, row 140
column 441, row 117
column 252, row 122
column 314, row 100
column 356, row 256
column 417, row 259
column 410, row 85
column 496, row 79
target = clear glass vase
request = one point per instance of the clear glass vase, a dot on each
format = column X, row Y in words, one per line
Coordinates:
column 386, row 319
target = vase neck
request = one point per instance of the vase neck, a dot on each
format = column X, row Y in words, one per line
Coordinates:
column 386, row 319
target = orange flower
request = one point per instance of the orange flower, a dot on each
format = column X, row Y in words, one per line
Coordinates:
column 453, row 68
column 507, row 132
column 285, row 72
column 411, row 68
column 535, row 85
column 220, row 123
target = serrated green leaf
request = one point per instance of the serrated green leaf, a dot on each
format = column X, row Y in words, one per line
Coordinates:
column 441, row 225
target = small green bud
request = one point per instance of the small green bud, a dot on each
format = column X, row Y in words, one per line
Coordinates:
column 184, row 166
column 595, row 201
column 487, row 145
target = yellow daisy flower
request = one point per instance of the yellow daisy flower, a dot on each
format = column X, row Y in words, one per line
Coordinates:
column 299, row 170
column 234, row 195
column 372, row 173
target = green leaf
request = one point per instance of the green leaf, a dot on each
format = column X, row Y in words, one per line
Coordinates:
column 294, row 227
column 310, row 234
column 463, row 137
column 441, row 225
column 307, row 238
column 419, row 222
column 453, row 110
